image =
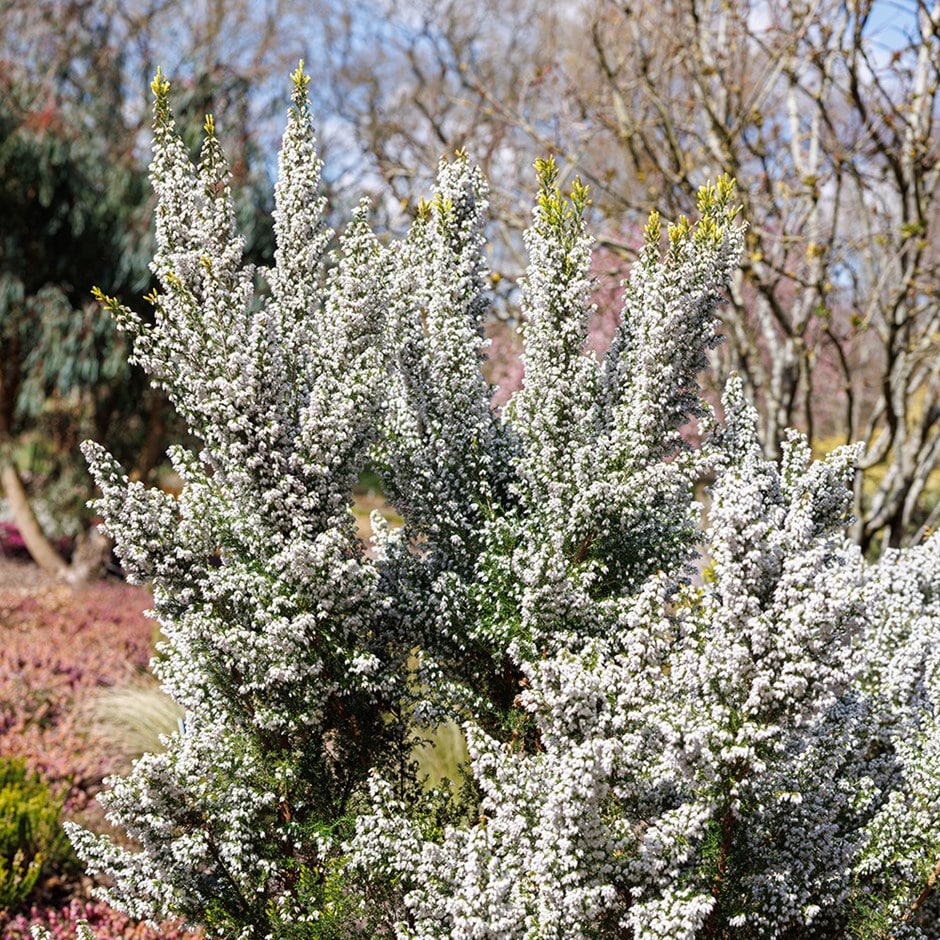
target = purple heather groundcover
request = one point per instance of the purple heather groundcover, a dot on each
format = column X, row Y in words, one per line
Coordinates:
column 60, row 652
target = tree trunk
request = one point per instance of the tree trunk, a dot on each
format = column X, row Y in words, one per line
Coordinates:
column 92, row 549
column 43, row 552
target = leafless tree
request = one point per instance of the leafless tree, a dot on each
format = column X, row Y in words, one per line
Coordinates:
column 826, row 113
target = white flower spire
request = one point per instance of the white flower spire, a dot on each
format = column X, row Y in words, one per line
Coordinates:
column 265, row 597
column 751, row 753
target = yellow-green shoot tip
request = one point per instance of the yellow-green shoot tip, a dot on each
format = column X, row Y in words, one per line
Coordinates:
column 300, row 78
column 160, row 86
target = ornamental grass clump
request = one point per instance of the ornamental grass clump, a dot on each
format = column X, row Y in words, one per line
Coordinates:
column 749, row 753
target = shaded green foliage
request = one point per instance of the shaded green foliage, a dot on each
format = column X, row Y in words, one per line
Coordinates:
column 73, row 209
column 32, row 840
column 74, row 212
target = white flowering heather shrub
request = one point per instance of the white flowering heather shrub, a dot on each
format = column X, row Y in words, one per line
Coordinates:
column 680, row 725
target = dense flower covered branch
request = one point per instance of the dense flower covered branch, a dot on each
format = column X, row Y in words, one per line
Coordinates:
column 680, row 723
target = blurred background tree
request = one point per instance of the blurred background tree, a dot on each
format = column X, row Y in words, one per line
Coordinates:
column 72, row 201
column 74, row 212
column 826, row 112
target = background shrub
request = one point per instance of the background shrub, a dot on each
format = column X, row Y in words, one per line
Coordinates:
column 32, row 841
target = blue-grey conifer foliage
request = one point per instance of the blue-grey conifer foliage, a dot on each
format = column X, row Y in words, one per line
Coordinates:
column 748, row 748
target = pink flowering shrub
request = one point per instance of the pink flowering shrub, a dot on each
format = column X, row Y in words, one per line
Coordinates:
column 13, row 546
column 105, row 923
column 57, row 648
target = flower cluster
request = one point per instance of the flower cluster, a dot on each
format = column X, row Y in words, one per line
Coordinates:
column 260, row 584
column 746, row 747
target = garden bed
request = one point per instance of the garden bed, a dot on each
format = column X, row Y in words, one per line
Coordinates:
column 64, row 654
